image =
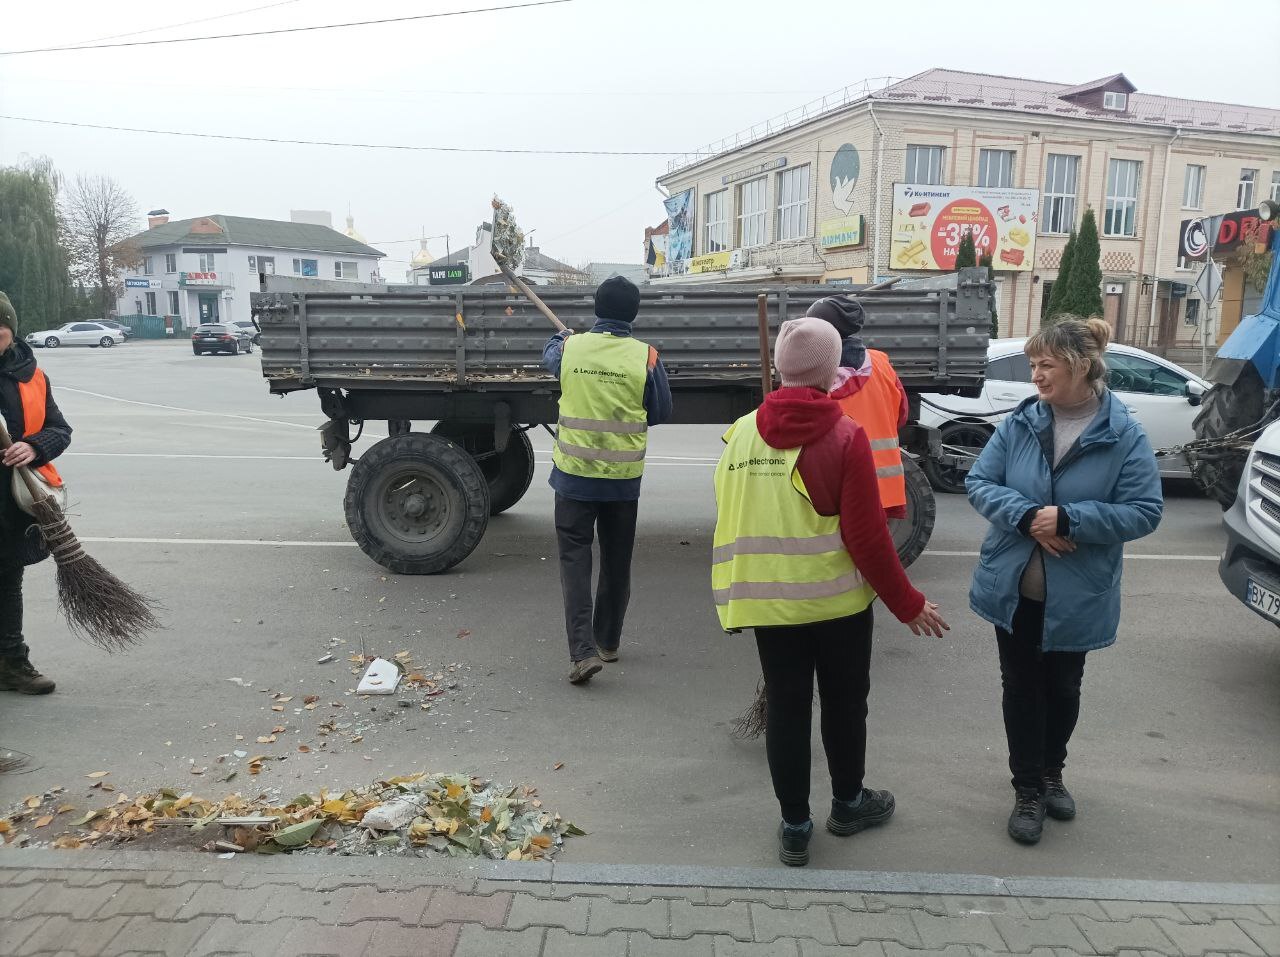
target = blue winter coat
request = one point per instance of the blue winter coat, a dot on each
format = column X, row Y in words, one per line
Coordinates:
column 1109, row 485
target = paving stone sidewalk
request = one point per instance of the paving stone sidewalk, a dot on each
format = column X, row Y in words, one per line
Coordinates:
column 184, row 904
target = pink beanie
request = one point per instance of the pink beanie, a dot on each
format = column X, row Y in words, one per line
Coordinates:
column 808, row 353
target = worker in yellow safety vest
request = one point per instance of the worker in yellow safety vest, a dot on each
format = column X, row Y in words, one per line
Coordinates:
column 40, row 434
column 801, row 550
column 870, row 393
column 613, row 387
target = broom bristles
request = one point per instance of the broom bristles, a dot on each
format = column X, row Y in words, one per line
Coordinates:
column 752, row 722
column 97, row 606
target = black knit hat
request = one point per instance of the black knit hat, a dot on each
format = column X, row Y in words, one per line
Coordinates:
column 8, row 315
column 843, row 312
column 618, row 298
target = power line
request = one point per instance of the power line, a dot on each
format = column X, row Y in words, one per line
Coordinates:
column 499, row 150
column 185, row 23
column 263, row 33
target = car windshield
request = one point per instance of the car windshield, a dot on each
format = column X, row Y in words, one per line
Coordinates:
column 211, row 328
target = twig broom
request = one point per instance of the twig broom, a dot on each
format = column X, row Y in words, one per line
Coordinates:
column 97, row 606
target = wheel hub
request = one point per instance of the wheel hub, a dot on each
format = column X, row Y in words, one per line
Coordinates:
column 414, row 507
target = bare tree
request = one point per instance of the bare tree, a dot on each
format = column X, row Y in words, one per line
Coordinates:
column 99, row 218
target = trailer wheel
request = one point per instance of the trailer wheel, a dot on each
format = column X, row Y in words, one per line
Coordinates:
column 416, row 504
column 508, row 473
column 911, row 534
column 1226, row 407
column 970, row 437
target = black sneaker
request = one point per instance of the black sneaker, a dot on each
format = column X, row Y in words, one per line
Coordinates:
column 18, row 674
column 1027, row 820
column 850, row 817
column 1058, row 802
column 793, row 843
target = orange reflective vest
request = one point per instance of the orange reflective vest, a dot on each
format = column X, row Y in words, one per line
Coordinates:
column 875, row 407
column 34, row 394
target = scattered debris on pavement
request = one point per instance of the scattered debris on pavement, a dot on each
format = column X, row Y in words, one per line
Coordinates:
column 411, row 815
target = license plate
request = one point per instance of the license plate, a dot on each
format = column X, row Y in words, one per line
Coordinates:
column 1263, row 601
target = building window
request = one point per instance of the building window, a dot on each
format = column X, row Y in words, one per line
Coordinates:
column 174, row 304
column 995, row 168
column 1121, row 217
column 1111, row 100
column 1244, row 191
column 1275, row 186
column 924, row 165
column 148, row 266
column 206, row 263
column 1193, row 312
column 253, row 264
column 345, row 270
column 1059, row 214
column 752, row 213
column 1046, row 291
column 170, row 262
column 151, row 304
column 793, row 203
column 1193, row 188
column 306, row 267
column 717, row 230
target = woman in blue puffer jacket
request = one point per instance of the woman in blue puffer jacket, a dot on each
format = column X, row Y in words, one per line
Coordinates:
column 1065, row 481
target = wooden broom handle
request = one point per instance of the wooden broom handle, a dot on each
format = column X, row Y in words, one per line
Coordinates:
column 37, row 493
column 532, row 296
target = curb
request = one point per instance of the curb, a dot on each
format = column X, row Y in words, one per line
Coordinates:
column 758, row 878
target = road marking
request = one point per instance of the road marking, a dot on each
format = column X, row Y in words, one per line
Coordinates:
column 1135, row 555
column 193, row 455
column 215, row 541
column 178, row 408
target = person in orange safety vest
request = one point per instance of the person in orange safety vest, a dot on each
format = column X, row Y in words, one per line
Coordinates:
column 870, row 393
column 39, row 434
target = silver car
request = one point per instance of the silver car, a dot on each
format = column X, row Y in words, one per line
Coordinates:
column 77, row 334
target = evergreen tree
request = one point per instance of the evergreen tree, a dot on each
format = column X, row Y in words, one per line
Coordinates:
column 1083, row 293
column 33, row 266
column 966, row 254
column 1057, row 294
column 985, row 261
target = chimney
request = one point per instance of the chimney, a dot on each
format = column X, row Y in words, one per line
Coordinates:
column 157, row 217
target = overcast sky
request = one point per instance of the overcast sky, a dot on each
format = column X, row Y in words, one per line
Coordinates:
column 658, row 75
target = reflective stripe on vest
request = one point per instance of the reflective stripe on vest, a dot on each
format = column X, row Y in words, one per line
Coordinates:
column 875, row 407
column 34, row 395
column 603, row 426
column 775, row 560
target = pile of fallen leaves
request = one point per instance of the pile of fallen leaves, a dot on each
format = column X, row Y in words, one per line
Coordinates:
column 417, row 814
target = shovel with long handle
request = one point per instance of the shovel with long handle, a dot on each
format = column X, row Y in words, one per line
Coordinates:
column 766, row 362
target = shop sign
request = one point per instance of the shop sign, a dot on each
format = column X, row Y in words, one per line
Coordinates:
column 1229, row 231
column 716, row 262
column 841, row 231
column 751, row 171
column 198, row 279
column 141, row 282
column 453, row 275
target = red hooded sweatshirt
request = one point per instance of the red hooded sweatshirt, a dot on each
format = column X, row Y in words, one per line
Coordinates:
column 840, row 475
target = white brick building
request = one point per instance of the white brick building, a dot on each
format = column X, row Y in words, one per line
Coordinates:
column 764, row 199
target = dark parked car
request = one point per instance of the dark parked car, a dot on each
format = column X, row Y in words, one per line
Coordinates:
column 118, row 326
column 220, row 337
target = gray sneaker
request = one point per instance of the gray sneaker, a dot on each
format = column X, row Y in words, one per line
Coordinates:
column 609, row 655
column 582, row 671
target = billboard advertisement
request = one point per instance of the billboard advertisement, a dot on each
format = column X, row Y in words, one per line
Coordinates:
column 840, row 232
column 930, row 221
column 680, row 216
column 716, row 262
column 1228, row 231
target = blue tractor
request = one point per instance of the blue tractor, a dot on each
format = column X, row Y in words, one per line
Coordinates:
column 1245, row 397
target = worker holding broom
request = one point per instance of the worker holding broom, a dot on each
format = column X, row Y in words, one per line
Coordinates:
column 613, row 387
column 40, row 435
column 800, row 553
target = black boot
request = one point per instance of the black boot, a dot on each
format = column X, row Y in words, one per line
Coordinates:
column 850, row 817
column 18, row 674
column 1058, row 802
column 793, row 843
column 1027, row 820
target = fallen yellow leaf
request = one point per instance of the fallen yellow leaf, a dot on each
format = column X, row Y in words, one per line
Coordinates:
column 44, row 821
column 284, row 697
column 98, row 774
column 32, row 802
column 453, row 790
column 64, row 808
column 266, row 739
column 486, row 815
column 5, row 826
column 277, row 707
column 514, row 855
column 304, row 748
column 67, row 842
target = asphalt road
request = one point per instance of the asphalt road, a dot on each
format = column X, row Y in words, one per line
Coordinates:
column 1175, row 763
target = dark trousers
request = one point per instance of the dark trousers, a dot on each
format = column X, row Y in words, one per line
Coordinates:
column 577, row 524
column 839, row 652
column 1041, row 697
column 11, row 643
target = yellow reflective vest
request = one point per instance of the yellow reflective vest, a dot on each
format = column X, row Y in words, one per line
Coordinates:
column 775, row 560
column 603, row 427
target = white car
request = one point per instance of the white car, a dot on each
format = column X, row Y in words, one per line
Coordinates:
column 1163, row 396
column 77, row 334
